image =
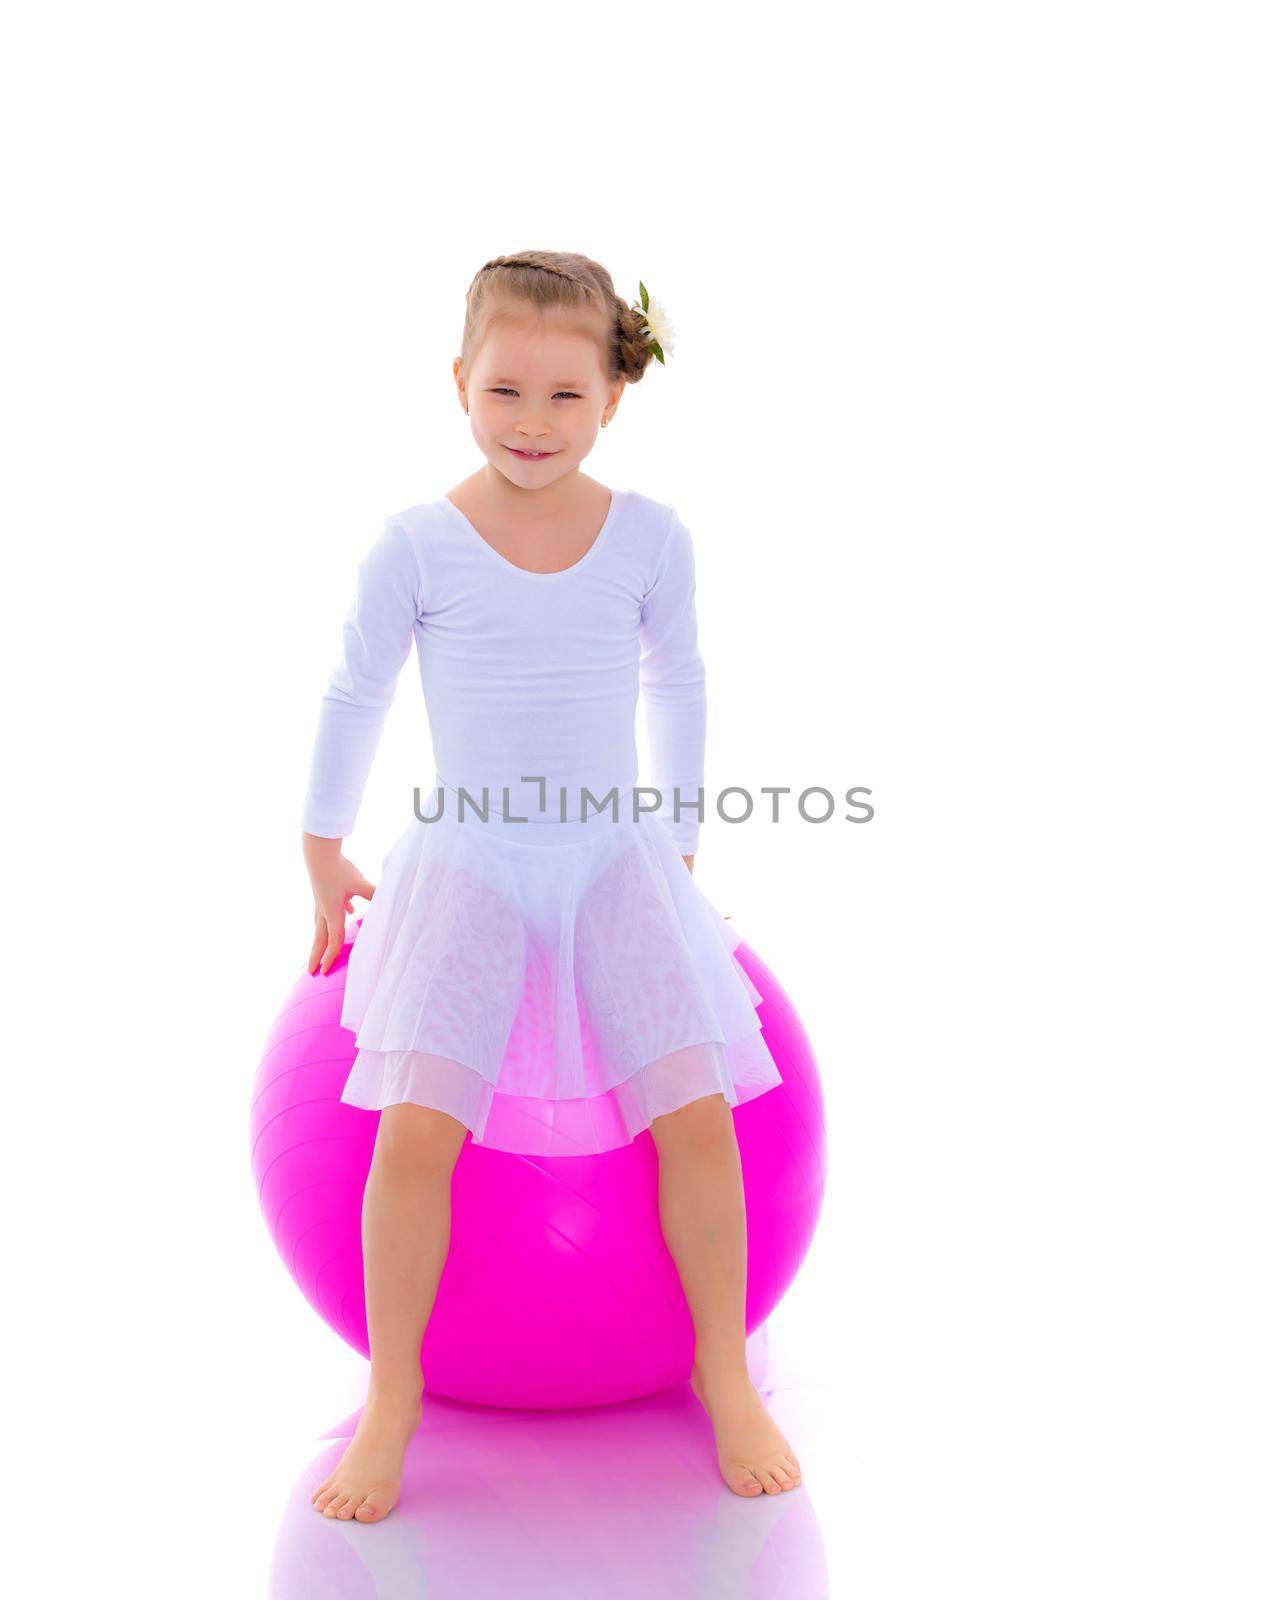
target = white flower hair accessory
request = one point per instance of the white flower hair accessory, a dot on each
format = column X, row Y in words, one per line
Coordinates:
column 658, row 325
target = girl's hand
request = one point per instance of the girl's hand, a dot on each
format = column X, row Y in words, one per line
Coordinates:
column 688, row 861
column 334, row 880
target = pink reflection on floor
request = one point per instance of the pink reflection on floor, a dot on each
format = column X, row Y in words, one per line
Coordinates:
column 624, row 1501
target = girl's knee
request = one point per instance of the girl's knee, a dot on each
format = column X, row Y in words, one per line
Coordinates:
column 421, row 1136
column 708, row 1117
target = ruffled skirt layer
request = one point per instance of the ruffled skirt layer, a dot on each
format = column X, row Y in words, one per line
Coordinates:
column 553, row 986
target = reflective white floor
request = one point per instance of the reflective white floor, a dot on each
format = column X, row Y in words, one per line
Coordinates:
column 613, row 1501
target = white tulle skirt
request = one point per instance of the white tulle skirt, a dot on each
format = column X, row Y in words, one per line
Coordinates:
column 553, row 985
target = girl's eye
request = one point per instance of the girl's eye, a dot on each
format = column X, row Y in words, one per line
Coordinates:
column 568, row 392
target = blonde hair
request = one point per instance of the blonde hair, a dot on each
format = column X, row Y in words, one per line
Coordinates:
column 556, row 279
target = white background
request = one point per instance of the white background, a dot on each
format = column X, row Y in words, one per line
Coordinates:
column 972, row 413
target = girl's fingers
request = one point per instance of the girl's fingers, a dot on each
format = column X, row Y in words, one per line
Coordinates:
column 331, row 927
column 317, row 947
column 337, row 927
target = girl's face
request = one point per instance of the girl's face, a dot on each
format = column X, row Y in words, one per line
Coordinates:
column 537, row 384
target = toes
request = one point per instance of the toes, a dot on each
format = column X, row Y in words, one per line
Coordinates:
column 376, row 1505
column 346, row 1504
column 743, row 1481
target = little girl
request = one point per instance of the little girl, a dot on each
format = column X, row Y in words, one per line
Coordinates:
column 538, row 967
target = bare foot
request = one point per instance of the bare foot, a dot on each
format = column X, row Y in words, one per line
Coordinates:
column 366, row 1482
column 753, row 1455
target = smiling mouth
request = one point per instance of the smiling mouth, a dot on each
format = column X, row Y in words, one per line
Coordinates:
column 531, row 455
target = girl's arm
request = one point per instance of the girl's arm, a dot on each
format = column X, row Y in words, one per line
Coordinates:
column 673, row 686
column 376, row 636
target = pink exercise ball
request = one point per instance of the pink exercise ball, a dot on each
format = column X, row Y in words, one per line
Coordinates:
column 558, row 1289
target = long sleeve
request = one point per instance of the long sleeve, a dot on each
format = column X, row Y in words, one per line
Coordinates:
column 673, row 688
column 376, row 637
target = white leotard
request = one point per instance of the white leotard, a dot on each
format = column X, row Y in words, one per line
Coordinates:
column 525, row 675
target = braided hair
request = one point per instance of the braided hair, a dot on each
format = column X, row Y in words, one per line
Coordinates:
column 559, row 279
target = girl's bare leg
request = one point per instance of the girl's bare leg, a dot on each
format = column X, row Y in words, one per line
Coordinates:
column 704, row 1223
column 405, row 1226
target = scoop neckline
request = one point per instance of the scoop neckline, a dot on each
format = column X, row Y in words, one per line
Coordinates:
column 615, row 503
